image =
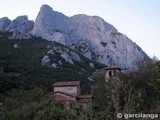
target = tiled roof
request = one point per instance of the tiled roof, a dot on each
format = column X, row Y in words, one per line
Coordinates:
column 112, row 68
column 71, row 83
column 85, row 97
column 83, row 100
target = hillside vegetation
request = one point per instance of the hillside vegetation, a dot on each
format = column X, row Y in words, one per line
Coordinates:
column 25, row 84
column 21, row 65
column 136, row 92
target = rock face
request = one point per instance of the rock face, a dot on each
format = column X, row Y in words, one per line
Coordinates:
column 20, row 27
column 51, row 25
column 4, row 23
column 90, row 35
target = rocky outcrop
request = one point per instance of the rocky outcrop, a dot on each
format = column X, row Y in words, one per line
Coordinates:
column 20, row 27
column 4, row 23
column 51, row 25
column 65, row 56
column 89, row 35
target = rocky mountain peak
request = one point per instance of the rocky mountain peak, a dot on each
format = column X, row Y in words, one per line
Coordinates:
column 21, row 24
column 20, row 27
column 89, row 35
column 46, row 9
column 49, row 20
column 4, row 22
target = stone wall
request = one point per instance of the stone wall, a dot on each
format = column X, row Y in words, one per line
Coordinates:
column 71, row 89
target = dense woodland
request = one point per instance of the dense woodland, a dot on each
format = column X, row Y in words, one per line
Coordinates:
column 135, row 92
column 25, row 86
column 21, row 67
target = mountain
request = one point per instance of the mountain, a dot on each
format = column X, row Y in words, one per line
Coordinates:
column 37, row 62
column 20, row 27
column 89, row 35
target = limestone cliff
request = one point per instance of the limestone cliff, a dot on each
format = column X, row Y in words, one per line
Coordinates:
column 89, row 35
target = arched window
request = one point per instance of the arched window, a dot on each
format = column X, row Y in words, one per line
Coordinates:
column 110, row 73
column 115, row 73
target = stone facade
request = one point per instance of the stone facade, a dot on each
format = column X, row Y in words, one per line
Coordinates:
column 111, row 73
column 70, row 89
column 70, row 92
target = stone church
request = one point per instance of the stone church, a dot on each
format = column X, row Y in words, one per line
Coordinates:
column 70, row 92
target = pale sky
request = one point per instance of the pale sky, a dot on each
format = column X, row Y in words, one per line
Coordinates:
column 138, row 19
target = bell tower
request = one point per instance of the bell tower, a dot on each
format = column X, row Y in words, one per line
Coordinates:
column 111, row 73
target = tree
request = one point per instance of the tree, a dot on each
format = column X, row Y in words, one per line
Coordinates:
column 134, row 92
column 37, row 104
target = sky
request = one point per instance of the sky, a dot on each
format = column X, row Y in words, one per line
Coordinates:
column 137, row 19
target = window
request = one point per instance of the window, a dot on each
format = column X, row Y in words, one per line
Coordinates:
column 110, row 73
column 115, row 73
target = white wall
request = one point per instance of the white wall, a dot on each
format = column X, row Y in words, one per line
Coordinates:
column 71, row 89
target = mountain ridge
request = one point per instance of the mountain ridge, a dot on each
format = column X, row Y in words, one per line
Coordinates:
column 90, row 35
column 39, row 63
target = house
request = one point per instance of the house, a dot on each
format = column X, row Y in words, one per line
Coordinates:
column 70, row 92
column 72, row 87
column 111, row 73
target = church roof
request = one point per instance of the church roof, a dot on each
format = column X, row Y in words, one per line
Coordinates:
column 71, row 83
column 87, row 96
column 112, row 68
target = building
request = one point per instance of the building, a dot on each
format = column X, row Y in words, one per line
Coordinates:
column 69, row 93
column 111, row 73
